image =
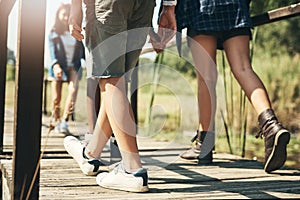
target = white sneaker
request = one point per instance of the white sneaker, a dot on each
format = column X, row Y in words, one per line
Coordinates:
column 119, row 179
column 64, row 127
column 89, row 167
column 57, row 128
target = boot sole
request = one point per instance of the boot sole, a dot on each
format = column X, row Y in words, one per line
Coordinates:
column 190, row 154
column 278, row 155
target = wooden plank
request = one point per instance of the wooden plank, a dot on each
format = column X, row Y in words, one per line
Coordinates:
column 276, row 15
column 228, row 177
column 28, row 102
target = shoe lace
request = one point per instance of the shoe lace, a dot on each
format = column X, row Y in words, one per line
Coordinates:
column 195, row 137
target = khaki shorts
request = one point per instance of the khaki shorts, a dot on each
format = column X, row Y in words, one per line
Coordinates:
column 116, row 31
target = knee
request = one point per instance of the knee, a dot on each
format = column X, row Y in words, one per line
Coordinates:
column 208, row 78
column 242, row 72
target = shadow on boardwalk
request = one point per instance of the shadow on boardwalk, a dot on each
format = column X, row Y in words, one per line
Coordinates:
column 228, row 177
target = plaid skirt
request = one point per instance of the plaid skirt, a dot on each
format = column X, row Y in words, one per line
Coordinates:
column 212, row 15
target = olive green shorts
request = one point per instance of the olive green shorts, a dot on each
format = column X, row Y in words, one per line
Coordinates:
column 116, row 31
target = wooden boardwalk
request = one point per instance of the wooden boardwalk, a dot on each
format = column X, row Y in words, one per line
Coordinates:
column 228, row 177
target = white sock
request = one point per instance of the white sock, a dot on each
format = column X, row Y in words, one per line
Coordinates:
column 131, row 161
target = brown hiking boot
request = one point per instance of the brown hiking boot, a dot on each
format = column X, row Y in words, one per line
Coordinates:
column 203, row 144
column 276, row 138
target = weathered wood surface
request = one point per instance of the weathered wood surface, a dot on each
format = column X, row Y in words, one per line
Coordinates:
column 229, row 177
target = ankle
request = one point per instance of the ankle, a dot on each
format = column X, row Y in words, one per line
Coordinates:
column 87, row 154
column 131, row 168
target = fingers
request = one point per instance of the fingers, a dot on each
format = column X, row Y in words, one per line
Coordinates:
column 155, row 41
column 160, row 39
column 75, row 30
column 75, row 20
column 166, row 35
column 167, row 27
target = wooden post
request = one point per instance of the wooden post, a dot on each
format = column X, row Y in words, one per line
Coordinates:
column 5, row 8
column 28, row 99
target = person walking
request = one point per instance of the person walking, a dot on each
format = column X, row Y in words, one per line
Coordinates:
column 115, row 34
column 226, row 24
column 66, row 53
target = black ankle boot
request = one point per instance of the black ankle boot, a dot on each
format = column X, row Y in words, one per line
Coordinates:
column 207, row 139
column 276, row 138
column 202, row 147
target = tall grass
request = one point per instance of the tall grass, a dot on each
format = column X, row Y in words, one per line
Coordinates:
column 158, row 61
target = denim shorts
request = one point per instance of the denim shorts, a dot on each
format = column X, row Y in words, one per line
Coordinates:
column 115, row 32
column 221, row 36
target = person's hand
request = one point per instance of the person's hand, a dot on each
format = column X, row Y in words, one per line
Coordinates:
column 75, row 20
column 167, row 25
column 57, row 72
column 155, row 41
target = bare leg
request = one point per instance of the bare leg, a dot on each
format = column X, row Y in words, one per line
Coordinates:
column 101, row 134
column 276, row 137
column 203, row 50
column 56, row 98
column 72, row 94
column 116, row 116
column 237, row 52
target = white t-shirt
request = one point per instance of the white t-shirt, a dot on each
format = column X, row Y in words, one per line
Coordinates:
column 69, row 43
